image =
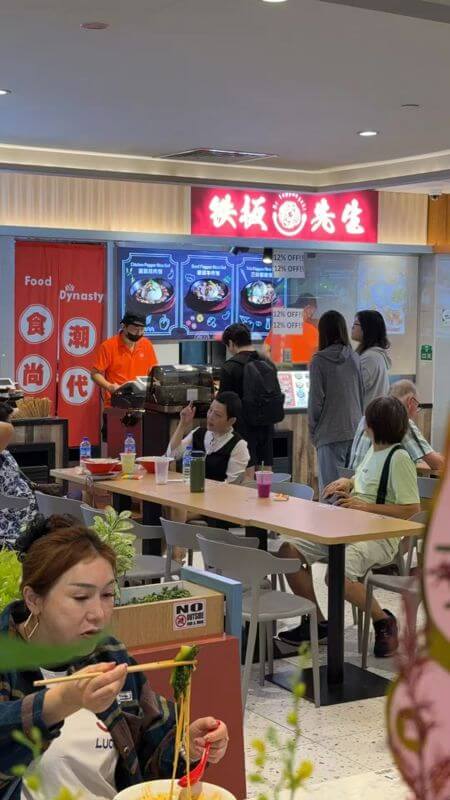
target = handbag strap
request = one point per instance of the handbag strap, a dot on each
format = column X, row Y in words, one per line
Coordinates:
column 384, row 478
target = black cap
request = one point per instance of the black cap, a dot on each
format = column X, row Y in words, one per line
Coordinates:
column 130, row 318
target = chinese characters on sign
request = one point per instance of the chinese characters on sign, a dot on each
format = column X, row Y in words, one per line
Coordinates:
column 350, row 216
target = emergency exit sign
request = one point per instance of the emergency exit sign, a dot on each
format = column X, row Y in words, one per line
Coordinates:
column 426, row 352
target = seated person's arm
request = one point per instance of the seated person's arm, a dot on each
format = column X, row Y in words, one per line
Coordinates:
column 178, row 442
column 403, row 481
column 6, row 435
column 434, row 460
column 238, row 461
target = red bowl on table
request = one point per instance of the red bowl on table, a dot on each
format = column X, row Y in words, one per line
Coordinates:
column 102, row 466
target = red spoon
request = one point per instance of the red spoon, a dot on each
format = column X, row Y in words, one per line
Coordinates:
column 196, row 774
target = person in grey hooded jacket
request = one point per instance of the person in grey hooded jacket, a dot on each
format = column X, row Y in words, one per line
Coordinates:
column 335, row 397
column 369, row 330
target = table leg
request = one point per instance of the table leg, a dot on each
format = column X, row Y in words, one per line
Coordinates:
column 339, row 682
column 336, row 578
column 151, row 514
column 260, row 534
column 121, row 502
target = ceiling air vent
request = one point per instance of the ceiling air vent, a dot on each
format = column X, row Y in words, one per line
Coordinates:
column 213, row 156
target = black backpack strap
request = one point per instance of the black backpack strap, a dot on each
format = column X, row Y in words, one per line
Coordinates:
column 382, row 487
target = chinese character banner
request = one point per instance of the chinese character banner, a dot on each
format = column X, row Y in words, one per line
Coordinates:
column 81, row 304
column 287, row 215
column 59, row 301
column 36, row 313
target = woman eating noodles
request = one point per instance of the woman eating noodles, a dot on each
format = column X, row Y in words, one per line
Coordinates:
column 99, row 735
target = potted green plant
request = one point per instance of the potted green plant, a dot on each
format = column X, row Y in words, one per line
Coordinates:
column 10, row 577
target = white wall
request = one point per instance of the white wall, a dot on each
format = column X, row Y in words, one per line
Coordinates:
column 6, row 307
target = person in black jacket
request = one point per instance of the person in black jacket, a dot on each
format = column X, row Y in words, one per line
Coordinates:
column 238, row 341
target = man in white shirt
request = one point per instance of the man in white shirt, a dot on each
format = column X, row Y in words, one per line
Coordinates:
column 226, row 452
column 414, row 441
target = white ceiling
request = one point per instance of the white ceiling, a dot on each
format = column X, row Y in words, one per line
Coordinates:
column 297, row 79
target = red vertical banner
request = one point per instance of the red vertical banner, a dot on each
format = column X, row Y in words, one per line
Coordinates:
column 36, row 313
column 81, row 303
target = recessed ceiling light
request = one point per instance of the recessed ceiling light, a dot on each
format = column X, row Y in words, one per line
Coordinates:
column 410, row 105
column 274, row 1
column 94, row 26
column 5, row 91
column 367, row 133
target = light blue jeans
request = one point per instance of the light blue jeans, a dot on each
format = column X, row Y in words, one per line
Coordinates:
column 329, row 458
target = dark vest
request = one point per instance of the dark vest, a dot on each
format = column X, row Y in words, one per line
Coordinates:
column 216, row 464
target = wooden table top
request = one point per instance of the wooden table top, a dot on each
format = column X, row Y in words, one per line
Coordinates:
column 297, row 518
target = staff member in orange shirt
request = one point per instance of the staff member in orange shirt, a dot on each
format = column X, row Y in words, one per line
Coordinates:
column 123, row 357
column 302, row 345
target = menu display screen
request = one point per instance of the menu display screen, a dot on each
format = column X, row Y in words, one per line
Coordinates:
column 188, row 294
column 295, row 387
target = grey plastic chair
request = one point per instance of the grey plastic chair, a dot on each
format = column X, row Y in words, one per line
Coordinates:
column 48, row 505
column 427, row 487
column 146, row 567
column 394, row 583
column 277, row 477
column 300, row 490
column 261, row 607
column 400, row 584
column 16, row 503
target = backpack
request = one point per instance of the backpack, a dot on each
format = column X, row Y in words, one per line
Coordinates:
column 384, row 477
column 262, row 398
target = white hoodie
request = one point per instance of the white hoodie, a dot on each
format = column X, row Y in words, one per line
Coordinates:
column 375, row 363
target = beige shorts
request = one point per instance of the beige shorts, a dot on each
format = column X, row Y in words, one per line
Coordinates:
column 359, row 557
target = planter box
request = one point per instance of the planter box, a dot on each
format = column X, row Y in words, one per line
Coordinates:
column 187, row 619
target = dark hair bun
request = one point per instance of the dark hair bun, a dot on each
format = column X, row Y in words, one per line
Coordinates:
column 41, row 526
column 6, row 409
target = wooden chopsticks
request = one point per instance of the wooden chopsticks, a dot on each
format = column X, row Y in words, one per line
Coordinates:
column 153, row 665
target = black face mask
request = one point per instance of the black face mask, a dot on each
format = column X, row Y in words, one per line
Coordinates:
column 134, row 337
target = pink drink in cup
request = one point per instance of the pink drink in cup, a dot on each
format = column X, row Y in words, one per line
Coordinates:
column 263, row 483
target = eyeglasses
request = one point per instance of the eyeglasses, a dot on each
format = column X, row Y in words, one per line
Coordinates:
column 417, row 402
column 356, row 324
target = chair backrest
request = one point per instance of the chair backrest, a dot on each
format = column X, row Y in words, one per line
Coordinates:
column 300, row 490
column 48, row 505
column 280, row 477
column 245, row 564
column 221, row 535
column 427, row 487
column 344, row 472
column 422, row 517
column 8, row 501
column 181, row 534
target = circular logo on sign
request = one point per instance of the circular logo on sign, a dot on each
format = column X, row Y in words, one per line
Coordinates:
column 36, row 324
column 34, row 374
column 289, row 213
column 76, row 386
column 180, row 621
column 79, row 336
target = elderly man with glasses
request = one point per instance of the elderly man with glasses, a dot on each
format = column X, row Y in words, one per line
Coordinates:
column 414, row 441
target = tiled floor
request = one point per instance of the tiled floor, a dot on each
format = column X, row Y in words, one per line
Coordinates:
column 341, row 741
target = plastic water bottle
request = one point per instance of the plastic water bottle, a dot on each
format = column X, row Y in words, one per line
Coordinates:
column 129, row 444
column 187, row 458
column 85, row 452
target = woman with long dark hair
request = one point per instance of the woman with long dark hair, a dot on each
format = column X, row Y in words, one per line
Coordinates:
column 335, row 397
column 369, row 330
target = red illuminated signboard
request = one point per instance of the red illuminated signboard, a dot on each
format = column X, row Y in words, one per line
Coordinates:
column 289, row 216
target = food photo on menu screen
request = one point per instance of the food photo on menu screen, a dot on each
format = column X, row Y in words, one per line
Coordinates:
column 258, row 291
column 207, row 286
column 150, row 285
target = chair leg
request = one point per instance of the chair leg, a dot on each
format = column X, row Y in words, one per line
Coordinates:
column 251, row 641
column 282, row 583
column 269, row 632
column 360, row 628
column 367, row 619
column 315, row 656
column 355, row 614
column 262, row 652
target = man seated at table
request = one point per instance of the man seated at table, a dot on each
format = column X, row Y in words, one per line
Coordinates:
column 384, row 483
column 414, row 441
column 227, row 454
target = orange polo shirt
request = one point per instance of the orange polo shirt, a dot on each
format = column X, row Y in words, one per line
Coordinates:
column 302, row 345
column 119, row 364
